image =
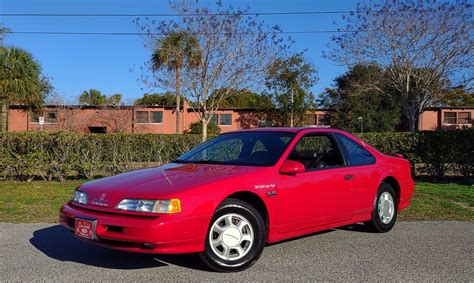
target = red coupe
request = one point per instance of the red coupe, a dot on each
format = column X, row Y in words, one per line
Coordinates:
column 228, row 197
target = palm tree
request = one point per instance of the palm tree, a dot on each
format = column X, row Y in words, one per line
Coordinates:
column 20, row 80
column 172, row 52
column 92, row 97
column 3, row 31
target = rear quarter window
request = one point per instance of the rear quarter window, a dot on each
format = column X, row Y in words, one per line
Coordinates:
column 355, row 153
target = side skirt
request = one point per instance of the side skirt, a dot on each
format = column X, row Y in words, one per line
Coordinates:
column 274, row 236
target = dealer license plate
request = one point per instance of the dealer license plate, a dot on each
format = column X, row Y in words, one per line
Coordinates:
column 84, row 228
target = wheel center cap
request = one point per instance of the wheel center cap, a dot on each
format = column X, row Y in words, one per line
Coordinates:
column 231, row 237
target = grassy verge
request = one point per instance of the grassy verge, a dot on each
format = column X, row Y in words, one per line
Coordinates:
column 22, row 202
column 37, row 201
column 441, row 202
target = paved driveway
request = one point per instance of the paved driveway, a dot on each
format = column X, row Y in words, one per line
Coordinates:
column 411, row 251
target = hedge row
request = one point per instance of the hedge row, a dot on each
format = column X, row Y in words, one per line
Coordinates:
column 432, row 153
column 59, row 155
column 50, row 156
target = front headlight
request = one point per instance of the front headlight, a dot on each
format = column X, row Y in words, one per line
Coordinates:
column 152, row 206
column 79, row 197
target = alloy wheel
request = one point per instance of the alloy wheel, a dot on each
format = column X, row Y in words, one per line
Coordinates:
column 231, row 237
column 386, row 207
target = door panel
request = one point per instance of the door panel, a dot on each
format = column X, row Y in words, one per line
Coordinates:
column 365, row 188
column 322, row 194
column 366, row 173
column 314, row 198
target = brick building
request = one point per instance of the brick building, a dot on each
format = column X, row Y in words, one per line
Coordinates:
column 447, row 118
column 158, row 120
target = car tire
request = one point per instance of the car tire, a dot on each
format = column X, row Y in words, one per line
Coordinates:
column 384, row 214
column 235, row 238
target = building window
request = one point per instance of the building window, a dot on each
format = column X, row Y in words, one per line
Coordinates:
column 225, row 119
column 450, row 117
column 156, row 117
column 464, row 118
column 324, row 120
column 51, row 118
column 34, row 117
column 141, row 117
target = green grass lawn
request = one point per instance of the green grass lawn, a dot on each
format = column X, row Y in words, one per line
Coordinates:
column 39, row 201
column 441, row 202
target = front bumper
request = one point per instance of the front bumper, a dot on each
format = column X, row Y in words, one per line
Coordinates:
column 165, row 234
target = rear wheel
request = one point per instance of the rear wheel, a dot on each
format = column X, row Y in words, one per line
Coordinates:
column 384, row 214
column 235, row 238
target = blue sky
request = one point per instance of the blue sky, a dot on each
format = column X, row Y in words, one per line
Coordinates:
column 79, row 62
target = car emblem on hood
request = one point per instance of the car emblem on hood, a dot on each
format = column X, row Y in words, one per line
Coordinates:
column 100, row 201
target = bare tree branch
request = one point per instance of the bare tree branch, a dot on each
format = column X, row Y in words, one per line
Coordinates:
column 425, row 46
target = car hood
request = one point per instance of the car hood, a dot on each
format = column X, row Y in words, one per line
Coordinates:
column 166, row 181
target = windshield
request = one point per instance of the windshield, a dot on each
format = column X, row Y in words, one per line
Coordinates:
column 244, row 148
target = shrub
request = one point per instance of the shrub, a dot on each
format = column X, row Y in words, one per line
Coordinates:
column 395, row 142
column 196, row 128
column 58, row 155
column 434, row 153
column 29, row 155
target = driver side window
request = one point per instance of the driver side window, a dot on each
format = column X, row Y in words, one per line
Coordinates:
column 316, row 152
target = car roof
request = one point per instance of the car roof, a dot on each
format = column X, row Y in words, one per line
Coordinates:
column 286, row 129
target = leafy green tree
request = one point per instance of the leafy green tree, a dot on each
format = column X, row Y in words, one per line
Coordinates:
column 241, row 99
column 155, row 99
column 172, row 52
column 289, row 80
column 21, row 81
column 361, row 101
column 458, row 97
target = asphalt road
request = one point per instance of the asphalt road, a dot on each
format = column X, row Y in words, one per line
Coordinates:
column 412, row 251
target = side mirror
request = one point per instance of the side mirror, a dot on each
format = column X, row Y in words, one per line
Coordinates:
column 292, row 167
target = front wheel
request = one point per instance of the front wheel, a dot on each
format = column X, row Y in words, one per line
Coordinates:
column 235, row 238
column 384, row 214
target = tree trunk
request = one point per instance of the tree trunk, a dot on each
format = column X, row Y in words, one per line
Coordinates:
column 178, row 100
column 204, row 130
column 409, row 108
column 412, row 118
column 411, row 125
column 4, row 116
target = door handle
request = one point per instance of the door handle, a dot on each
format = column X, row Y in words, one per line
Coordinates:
column 348, row 177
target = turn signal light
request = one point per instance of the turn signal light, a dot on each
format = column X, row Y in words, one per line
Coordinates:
column 174, row 206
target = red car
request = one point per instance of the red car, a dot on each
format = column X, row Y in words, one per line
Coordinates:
column 228, row 197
